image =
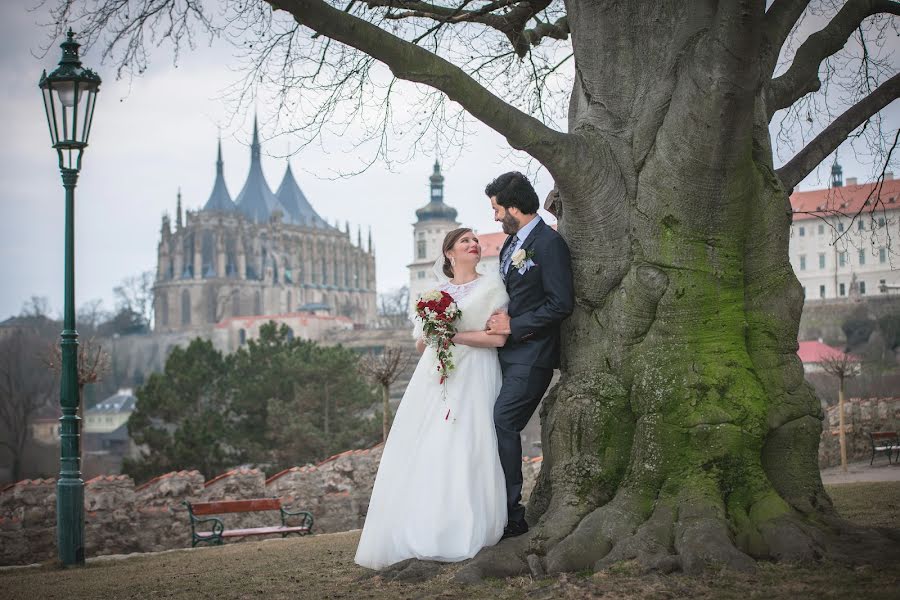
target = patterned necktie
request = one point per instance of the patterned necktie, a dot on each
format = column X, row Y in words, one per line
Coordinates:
column 507, row 256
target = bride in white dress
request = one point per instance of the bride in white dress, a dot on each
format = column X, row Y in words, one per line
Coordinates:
column 440, row 493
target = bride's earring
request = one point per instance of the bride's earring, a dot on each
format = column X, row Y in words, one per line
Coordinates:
column 452, row 262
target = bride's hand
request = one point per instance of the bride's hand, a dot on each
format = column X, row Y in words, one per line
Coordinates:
column 420, row 345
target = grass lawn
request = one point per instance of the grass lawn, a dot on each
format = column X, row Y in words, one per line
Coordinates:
column 321, row 567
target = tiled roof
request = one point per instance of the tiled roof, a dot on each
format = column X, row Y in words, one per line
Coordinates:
column 120, row 402
column 166, row 476
column 491, row 243
column 239, row 471
column 846, row 200
column 297, row 208
column 304, row 318
column 815, row 352
column 219, row 198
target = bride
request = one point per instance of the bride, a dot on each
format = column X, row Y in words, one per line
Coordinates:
column 440, row 493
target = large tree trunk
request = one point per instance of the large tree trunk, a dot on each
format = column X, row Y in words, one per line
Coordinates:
column 682, row 432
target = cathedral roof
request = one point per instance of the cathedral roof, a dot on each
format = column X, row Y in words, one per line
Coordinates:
column 256, row 200
column 297, row 208
column 219, row 199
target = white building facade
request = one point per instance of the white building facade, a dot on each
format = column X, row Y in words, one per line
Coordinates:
column 845, row 240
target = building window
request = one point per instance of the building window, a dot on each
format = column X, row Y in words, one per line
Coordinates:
column 842, row 290
column 236, row 305
column 421, row 235
column 862, row 288
column 257, row 304
column 242, row 336
column 882, row 255
column 840, row 227
column 420, row 249
column 862, row 257
column 821, row 229
column 802, row 231
column 802, row 262
column 842, row 260
column 421, row 274
column 881, row 286
column 185, row 308
column 860, row 226
column 821, row 291
column 881, row 221
column 164, row 309
column 821, row 260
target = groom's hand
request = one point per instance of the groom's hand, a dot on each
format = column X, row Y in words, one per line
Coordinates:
column 498, row 324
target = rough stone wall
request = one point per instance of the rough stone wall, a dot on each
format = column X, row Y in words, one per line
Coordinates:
column 861, row 416
column 120, row 518
column 823, row 318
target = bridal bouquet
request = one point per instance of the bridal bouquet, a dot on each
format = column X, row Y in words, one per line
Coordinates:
column 439, row 314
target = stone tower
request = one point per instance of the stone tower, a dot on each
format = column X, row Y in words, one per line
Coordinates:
column 433, row 221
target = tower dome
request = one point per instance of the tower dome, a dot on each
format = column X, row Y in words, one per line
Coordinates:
column 256, row 200
column 219, row 198
column 436, row 210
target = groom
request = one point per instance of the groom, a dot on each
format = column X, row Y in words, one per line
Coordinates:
column 536, row 267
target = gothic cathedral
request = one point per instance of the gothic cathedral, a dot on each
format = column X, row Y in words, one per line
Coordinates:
column 262, row 254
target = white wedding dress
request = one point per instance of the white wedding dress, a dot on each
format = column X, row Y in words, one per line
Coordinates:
column 440, row 493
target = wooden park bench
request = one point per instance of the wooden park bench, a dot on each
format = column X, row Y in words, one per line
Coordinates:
column 199, row 512
column 886, row 442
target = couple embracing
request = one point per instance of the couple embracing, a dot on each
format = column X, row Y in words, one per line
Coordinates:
column 450, row 478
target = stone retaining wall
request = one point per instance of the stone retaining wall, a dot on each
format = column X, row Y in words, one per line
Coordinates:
column 122, row 518
column 861, row 416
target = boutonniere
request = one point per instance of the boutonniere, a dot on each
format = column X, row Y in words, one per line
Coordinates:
column 522, row 260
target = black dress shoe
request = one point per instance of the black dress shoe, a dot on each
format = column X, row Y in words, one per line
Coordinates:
column 514, row 529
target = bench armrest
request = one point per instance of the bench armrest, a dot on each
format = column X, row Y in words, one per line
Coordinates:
column 307, row 517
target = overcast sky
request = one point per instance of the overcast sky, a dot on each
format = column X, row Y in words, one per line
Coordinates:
column 157, row 133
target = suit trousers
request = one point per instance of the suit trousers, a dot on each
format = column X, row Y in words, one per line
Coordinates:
column 522, row 390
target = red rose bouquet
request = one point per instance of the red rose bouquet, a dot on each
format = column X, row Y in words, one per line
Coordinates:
column 439, row 314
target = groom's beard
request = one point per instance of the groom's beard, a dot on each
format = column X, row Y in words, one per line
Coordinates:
column 510, row 224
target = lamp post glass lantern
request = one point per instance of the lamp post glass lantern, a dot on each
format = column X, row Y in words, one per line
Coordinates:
column 70, row 94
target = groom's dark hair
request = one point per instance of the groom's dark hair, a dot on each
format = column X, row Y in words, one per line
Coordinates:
column 514, row 190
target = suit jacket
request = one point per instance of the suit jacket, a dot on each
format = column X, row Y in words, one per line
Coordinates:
column 539, row 300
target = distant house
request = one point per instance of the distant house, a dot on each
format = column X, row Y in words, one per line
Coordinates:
column 105, row 438
column 814, row 353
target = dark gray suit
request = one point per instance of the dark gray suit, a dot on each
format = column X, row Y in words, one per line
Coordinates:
column 539, row 300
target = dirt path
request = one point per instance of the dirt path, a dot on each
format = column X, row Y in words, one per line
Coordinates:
column 321, row 567
column 859, row 472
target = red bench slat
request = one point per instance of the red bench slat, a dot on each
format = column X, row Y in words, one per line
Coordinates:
column 233, row 506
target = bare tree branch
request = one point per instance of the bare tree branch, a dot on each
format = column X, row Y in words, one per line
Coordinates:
column 780, row 20
column 803, row 75
column 412, row 63
column 832, row 136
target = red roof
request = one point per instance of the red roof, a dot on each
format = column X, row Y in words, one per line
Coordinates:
column 492, row 242
column 847, row 200
column 815, row 352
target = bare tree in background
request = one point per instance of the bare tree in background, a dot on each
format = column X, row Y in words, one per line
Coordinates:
column 681, row 434
column 36, row 306
column 25, row 387
column 393, row 306
column 93, row 364
column 383, row 369
column 135, row 294
column 843, row 366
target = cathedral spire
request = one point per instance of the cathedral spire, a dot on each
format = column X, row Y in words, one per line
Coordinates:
column 254, row 145
column 178, row 222
column 359, row 238
column 256, row 199
column 219, row 198
column 220, row 164
column 371, row 251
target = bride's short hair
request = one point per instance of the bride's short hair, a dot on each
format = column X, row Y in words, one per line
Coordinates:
column 449, row 241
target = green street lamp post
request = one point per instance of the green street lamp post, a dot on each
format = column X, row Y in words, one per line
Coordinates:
column 70, row 94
